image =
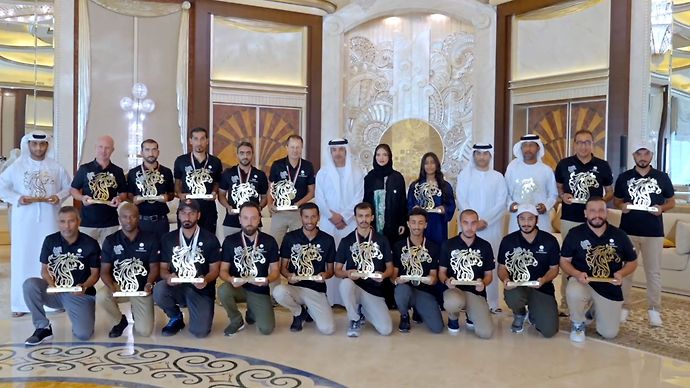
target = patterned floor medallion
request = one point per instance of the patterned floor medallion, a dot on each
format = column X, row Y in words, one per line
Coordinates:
column 85, row 364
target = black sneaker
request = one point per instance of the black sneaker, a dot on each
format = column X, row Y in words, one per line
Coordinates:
column 404, row 326
column 249, row 317
column 39, row 336
column 174, row 325
column 354, row 329
column 298, row 321
column 305, row 315
column 233, row 328
column 362, row 319
column 117, row 330
column 416, row 318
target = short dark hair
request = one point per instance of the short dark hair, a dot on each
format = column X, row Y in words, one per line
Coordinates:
column 245, row 143
column 252, row 205
column 468, row 211
column 307, row 206
column 418, row 211
column 198, row 129
column 583, row 132
column 148, row 141
column 595, row 198
column 69, row 209
column 362, row 206
column 296, row 137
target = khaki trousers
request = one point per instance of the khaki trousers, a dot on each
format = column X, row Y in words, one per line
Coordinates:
column 607, row 312
column 565, row 228
column 476, row 306
column 293, row 297
column 649, row 250
column 142, row 310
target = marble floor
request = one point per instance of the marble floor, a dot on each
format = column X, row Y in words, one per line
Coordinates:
column 309, row 359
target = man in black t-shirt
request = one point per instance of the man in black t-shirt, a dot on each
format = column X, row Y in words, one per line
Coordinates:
column 197, row 173
column 68, row 258
column 132, row 256
column 151, row 180
column 467, row 258
column 363, row 260
column 292, row 184
column 597, row 257
column 417, row 256
column 307, row 252
column 579, row 177
column 100, row 185
column 643, row 193
column 530, row 255
column 239, row 184
column 250, row 263
column 190, row 252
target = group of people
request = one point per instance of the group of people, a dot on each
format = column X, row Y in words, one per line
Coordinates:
column 363, row 241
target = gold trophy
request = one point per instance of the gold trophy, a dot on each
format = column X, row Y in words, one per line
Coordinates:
column 424, row 193
column 517, row 263
column 241, row 193
column 99, row 185
column 184, row 258
column 580, row 184
column 598, row 259
column 196, row 181
column 60, row 267
column 283, row 192
column 302, row 258
column 35, row 182
column 245, row 260
column 363, row 255
column 125, row 273
column 412, row 258
column 146, row 181
column 640, row 191
column 462, row 261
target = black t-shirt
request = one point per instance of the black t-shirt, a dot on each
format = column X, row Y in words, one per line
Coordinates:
column 529, row 259
column 75, row 259
column 305, row 176
column 458, row 258
column 206, row 171
column 242, row 188
column 99, row 183
column 348, row 255
column 582, row 180
column 599, row 256
column 650, row 190
column 208, row 250
column 160, row 178
column 421, row 263
column 252, row 262
column 308, row 257
column 131, row 258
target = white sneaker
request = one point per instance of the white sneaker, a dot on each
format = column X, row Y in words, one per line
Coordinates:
column 654, row 318
column 625, row 313
column 577, row 333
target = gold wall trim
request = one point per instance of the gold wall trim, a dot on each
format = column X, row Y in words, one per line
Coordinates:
column 324, row 5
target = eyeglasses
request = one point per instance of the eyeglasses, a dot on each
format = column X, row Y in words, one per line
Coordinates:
column 584, row 143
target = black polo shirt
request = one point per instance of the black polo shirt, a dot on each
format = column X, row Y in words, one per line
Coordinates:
column 91, row 177
column 457, row 256
column 308, row 257
column 230, row 181
column 167, row 186
column 422, row 265
column 582, row 180
column 610, row 251
column 183, row 167
column 207, row 245
column 349, row 249
column 85, row 249
column 265, row 253
column 305, row 175
column 132, row 256
column 537, row 257
column 629, row 185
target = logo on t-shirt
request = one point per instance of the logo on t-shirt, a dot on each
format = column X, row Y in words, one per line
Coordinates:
column 118, row 249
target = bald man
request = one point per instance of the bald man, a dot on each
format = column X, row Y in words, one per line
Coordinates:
column 100, row 185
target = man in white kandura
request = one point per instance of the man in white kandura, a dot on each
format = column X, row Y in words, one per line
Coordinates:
column 339, row 187
column 35, row 185
column 488, row 200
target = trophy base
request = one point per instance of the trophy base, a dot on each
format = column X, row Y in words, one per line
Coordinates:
column 602, row 280
column 434, row 210
column 150, row 198
column 315, row 278
column 127, row 294
column 258, row 279
column 187, row 280
column 532, row 283
column 465, row 282
column 577, row 200
column 367, row 275
column 235, row 211
column 57, row 290
column 99, row 202
column 37, row 199
column 199, row 196
column 651, row 209
column 413, row 278
column 286, row 208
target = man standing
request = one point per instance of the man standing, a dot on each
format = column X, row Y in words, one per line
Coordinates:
column 363, row 260
column 197, row 174
column 597, row 257
column 467, row 258
column 190, row 250
column 100, row 185
column 35, row 185
column 644, row 193
column 339, row 187
column 250, row 263
column 530, row 181
column 483, row 189
column 525, row 256
column 292, row 184
column 68, row 258
column 129, row 263
column 151, row 186
column 307, row 252
column 416, row 256
column 239, row 184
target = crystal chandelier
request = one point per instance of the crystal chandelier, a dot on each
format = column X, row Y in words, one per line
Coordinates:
column 135, row 110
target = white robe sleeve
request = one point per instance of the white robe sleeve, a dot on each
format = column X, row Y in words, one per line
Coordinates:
column 65, row 184
column 320, row 195
column 509, row 183
column 7, row 192
column 461, row 192
column 551, row 189
column 349, row 212
column 495, row 214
